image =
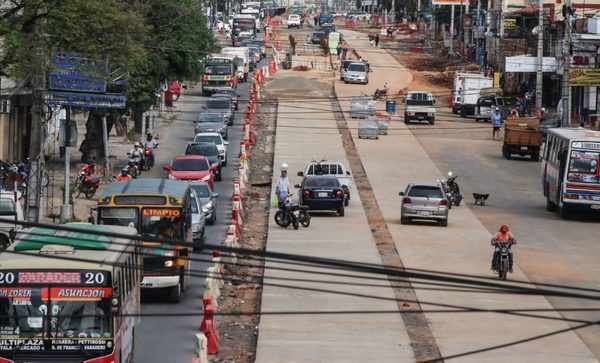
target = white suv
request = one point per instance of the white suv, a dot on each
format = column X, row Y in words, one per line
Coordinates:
column 217, row 139
column 294, row 20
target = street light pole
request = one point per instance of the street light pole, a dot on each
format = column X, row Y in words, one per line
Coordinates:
column 539, row 79
column 566, row 88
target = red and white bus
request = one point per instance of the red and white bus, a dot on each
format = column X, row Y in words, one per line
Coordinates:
column 69, row 296
column 570, row 170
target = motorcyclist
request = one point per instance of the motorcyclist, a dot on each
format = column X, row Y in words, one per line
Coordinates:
column 136, row 154
column 124, row 175
column 283, row 185
column 503, row 236
column 151, row 143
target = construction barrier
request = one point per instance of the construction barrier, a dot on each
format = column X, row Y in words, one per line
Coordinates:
column 232, row 230
column 266, row 71
column 212, row 338
column 211, row 291
column 214, row 273
column 201, row 349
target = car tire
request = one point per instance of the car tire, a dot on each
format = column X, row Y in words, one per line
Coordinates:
column 226, row 136
column 341, row 212
column 176, row 293
column 444, row 223
column 432, row 121
column 463, row 112
column 219, row 176
column 404, row 220
column 346, row 201
column 225, row 161
column 550, row 205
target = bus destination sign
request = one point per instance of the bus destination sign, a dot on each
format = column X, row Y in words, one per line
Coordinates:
column 33, row 277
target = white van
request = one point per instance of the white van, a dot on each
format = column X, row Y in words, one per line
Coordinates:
column 10, row 209
column 244, row 54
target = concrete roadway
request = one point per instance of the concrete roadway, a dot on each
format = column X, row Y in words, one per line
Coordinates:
column 171, row 339
column 550, row 250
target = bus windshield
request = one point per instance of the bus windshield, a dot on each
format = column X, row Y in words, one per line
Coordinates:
column 163, row 222
column 583, row 167
column 218, row 70
column 69, row 312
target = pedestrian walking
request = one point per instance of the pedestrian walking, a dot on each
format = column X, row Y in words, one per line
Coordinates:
column 339, row 49
column 316, row 20
column 344, row 49
column 496, row 122
column 377, row 40
column 169, row 100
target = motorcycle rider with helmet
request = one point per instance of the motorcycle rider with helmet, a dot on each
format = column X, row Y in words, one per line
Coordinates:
column 503, row 236
column 152, row 144
column 124, row 175
column 283, row 185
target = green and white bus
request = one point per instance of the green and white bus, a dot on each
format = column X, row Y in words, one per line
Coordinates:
column 69, row 295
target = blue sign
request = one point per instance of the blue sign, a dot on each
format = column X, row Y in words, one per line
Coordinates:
column 77, row 61
column 76, row 82
column 86, row 100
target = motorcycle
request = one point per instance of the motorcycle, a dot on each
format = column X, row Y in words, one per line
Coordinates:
column 148, row 157
column 19, row 172
column 524, row 109
column 133, row 168
column 86, row 182
column 381, row 94
column 502, row 262
column 451, row 187
column 292, row 213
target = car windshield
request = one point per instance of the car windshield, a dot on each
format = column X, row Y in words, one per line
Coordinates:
column 26, row 315
column 216, row 139
column 423, row 191
column 217, row 104
column 190, row 165
column 357, row 67
column 210, row 117
column 218, row 70
column 583, row 167
column 419, row 99
column 322, row 182
column 162, row 222
column 7, row 207
column 206, row 149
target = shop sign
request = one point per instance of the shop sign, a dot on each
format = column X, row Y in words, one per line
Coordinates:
column 583, row 77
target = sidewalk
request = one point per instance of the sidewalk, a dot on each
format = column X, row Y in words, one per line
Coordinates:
column 314, row 335
column 463, row 247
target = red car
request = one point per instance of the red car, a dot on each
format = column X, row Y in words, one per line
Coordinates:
column 192, row 168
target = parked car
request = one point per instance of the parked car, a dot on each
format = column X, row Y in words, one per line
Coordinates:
column 316, row 37
column 322, row 192
column 9, row 209
column 425, row 201
column 235, row 98
column 198, row 222
column 221, row 105
column 357, row 72
column 192, row 168
column 210, row 150
column 254, row 57
column 294, row 20
column 208, row 200
column 212, row 122
column 218, row 140
column 333, row 168
column 487, row 104
column 261, row 45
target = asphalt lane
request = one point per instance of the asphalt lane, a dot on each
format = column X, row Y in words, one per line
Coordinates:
column 172, row 339
column 550, row 250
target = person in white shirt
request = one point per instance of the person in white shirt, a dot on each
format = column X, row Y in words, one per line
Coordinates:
column 283, row 185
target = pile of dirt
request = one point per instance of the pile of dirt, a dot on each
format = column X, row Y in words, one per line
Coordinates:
column 301, row 68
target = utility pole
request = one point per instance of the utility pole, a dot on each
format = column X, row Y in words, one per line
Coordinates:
column 539, row 79
column 566, row 88
column 451, row 29
column 393, row 21
column 66, row 210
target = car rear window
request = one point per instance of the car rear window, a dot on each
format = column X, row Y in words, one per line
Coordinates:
column 208, row 150
column 190, row 165
column 222, row 103
column 424, row 191
column 322, row 183
column 210, row 117
column 208, row 138
column 326, row 169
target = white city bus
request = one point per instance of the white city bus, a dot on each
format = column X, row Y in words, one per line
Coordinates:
column 570, row 173
column 70, row 296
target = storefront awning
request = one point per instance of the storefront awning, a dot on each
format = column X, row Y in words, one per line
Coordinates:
column 526, row 64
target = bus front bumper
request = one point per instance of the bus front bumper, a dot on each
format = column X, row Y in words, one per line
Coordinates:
column 159, row 282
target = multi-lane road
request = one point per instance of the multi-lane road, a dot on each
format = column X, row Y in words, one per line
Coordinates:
column 165, row 338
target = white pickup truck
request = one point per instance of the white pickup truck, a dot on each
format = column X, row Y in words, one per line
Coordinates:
column 331, row 168
column 10, row 210
column 419, row 106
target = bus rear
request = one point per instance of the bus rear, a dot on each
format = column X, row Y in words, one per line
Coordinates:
column 220, row 72
column 246, row 23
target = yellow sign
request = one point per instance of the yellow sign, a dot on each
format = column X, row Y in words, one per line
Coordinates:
column 583, row 77
column 161, row 212
column 510, row 22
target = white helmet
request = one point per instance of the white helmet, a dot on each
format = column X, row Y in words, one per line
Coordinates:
column 284, row 167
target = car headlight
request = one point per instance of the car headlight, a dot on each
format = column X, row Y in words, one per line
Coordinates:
column 169, row 263
column 207, row 206
column 221, row 152
column 222, row 129
column 206, row 178
column 172, row 177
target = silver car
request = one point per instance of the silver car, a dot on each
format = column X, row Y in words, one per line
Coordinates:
column 424, row 201
column 357, row 72
column 222, row 105
column 208, row 200
column 212, row 122
column 198, row 221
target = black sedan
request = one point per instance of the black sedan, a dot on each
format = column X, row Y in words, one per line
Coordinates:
column 232, row 94
column 322, row 192
column 210, row 151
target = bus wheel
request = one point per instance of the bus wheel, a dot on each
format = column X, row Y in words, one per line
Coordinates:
column 550, row 206
column 175, row 294
column 563, row 212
